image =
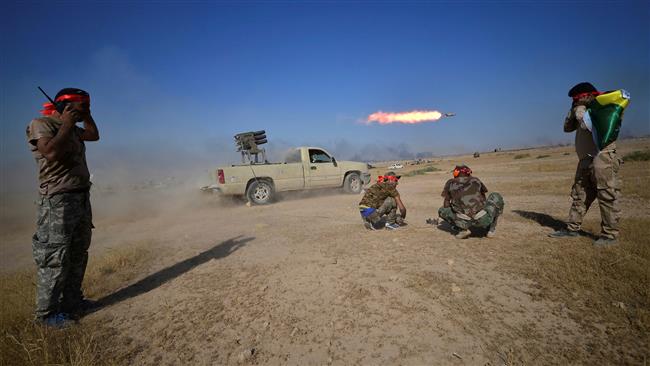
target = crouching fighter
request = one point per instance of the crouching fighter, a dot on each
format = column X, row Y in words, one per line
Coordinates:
column 465, row 205
column 379, row 204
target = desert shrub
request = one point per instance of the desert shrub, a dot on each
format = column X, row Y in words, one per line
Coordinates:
column 521, row 156
column 542, row 156
column 637, row 156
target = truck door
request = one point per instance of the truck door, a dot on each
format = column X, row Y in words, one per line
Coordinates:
column 323, row 171
column 291, row 174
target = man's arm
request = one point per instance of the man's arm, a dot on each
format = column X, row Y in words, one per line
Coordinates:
column 53, row 148
column 483, row 187
column 575, row 119
column 445, row 194
column 579, row 113
column 400, row 205
column 570, row 123
column 91, row 133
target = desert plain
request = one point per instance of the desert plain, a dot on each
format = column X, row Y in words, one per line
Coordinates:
column 185, row 278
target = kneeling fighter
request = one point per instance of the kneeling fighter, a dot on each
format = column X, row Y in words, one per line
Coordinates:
column 465, row 205
column 379, row 204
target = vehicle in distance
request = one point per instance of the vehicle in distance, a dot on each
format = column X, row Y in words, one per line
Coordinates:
column 396, row 166
column 303, row 168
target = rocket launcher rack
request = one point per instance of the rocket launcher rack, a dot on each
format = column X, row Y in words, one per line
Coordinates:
column 248, row 144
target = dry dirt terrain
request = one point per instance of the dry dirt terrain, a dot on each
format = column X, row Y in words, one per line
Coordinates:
column 301, row 282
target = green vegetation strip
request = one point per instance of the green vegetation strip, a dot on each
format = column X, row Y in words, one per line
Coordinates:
column 422, row 171
column 637, row 156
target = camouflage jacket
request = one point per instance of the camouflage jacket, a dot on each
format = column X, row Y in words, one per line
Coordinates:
column 465, row 195
column 377, row 193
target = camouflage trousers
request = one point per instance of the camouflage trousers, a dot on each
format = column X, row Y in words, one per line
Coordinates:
column 60, row 249
column 597, row 178
column 386, row 213
column 493, row 208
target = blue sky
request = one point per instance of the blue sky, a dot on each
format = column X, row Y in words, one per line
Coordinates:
column 178, row 79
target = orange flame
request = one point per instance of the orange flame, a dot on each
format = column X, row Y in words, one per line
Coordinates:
column 411, row 117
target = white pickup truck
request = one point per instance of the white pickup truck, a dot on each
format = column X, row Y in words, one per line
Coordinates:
column 303, row 168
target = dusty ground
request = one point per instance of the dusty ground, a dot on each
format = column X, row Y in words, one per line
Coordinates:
column 301, row 282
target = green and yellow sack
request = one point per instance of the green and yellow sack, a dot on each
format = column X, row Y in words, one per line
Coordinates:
column 605, row 115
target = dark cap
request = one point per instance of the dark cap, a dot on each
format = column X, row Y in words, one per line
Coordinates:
column 72, row 91
column 582, row 88
column 392, row 174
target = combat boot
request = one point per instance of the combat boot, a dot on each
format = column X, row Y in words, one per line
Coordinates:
column 604, row 242
column 564, row 234
column 464, row 234
column 392, row 226
column 369, row 226
column 58, row 321
column 400, row 221
column 493, row 227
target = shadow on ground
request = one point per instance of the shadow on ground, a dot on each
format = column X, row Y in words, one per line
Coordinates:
column 549, row 221
column 446, row 227
column 542, row 219
column 155, row 280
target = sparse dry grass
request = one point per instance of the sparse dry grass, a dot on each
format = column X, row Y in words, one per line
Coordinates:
column 603, row 288
column 547, row 167
column 635, row 176
column 606, row 290
column 521, row 156
column 556, row 186
column 26, row 343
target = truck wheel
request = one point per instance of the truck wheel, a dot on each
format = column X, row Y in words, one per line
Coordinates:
column 260, row 192
column 352, row 183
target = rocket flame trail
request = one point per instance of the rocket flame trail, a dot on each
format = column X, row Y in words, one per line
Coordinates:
column 412, row 117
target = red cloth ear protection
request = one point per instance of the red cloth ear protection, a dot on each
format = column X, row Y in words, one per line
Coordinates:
column 49, row 108
column 465, row 170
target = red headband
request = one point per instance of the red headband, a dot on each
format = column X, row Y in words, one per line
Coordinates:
column 387, row 178
column 465, row 170
column 582, row 95
column 49, row 108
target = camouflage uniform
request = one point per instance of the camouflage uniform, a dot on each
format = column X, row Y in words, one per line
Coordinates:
column 379, row 200
column 64, row 221
column 60, row 247
column 596, row 177
column 466, row 205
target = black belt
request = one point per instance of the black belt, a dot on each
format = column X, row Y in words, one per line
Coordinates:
column 76, row 190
